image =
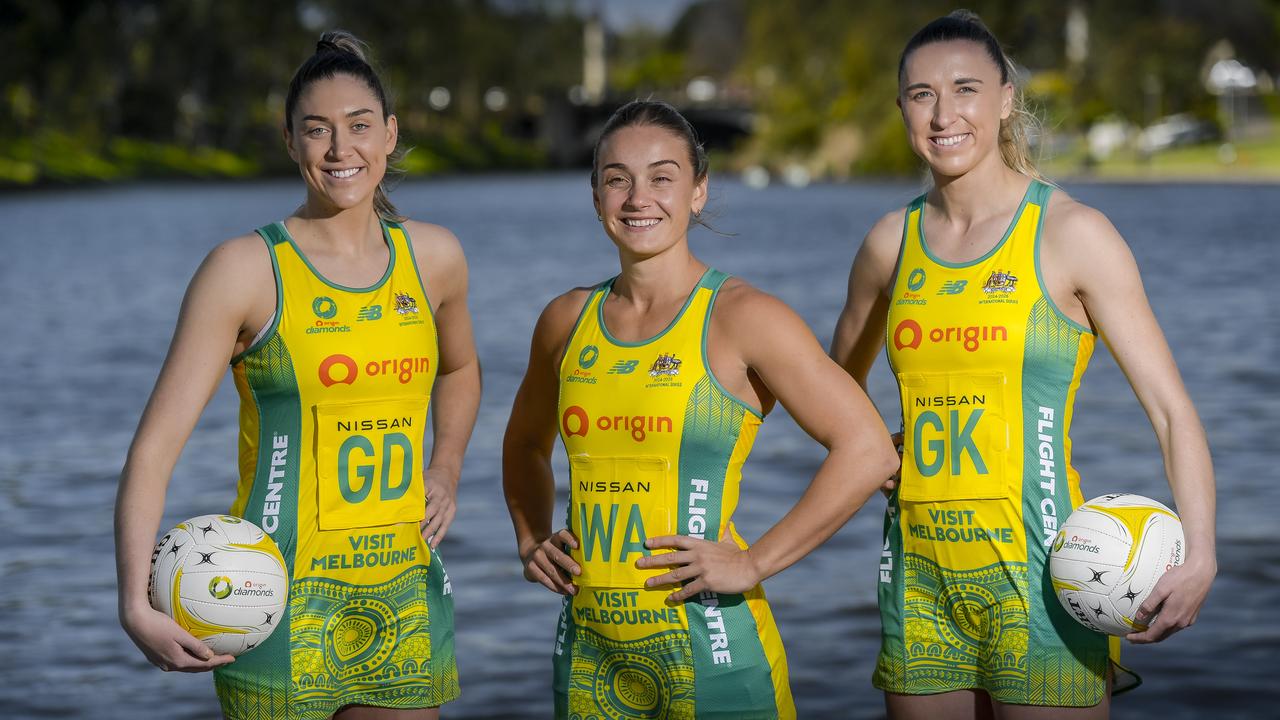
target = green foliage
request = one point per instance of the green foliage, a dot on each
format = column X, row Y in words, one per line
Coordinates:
column 819, row 65
column 112, row 89
column 117, row 89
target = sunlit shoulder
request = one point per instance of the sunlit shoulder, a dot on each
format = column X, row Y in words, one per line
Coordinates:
column 1077, row 232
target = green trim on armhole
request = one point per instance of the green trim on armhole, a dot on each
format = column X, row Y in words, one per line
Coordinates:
column 582, row 313
column 422, row 284
column 902, row 247
column 271, row 238
column 713, row 280
column 1043, row 191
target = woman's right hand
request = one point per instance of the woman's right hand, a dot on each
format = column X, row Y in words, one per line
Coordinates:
column 167, row 645
column 892, row 482
column 548, row 564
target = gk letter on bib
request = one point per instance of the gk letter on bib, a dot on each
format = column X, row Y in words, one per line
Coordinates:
column 369, row 462
column 616, row 503
column 956, row 436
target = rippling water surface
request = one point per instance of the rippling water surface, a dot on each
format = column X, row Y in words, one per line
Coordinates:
column 90, row 286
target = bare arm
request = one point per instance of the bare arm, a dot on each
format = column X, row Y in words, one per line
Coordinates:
column 213, row 314
column 774, row 342
column 527, row 479
column 455, row 398
column 1097, row 264
column 859, row 333
column 860, row 329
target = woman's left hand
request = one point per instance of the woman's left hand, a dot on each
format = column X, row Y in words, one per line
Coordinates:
column 701, row 565
column 442, row 488
column 1174, row 602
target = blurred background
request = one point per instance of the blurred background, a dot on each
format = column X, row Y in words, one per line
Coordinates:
column 101, row 90
column 135, row 136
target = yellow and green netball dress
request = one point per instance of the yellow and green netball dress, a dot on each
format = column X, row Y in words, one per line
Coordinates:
column 987, row 369
column 333, row 409
column 656, row 447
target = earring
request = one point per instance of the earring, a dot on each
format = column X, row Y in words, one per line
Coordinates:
column 600, row 218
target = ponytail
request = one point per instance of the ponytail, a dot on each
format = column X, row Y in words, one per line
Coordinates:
column 340, row 53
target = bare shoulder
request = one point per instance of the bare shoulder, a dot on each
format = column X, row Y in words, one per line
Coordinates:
column 558, row 319
column 242, row 261
column 885, row 237
column 235, row 282
column 741, row 307
column 1072, row 228
column 435, row 245
column 878, row 255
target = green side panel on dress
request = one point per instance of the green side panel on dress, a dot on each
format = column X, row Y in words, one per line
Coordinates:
column 891, row 665
column 738, row 683
column 1066, row 662
column 259, row 683
column 712, row 422
column 561, row 668
column 741, row 687
column 444, row 660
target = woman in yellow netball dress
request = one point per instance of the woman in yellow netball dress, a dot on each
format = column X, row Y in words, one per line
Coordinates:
column 657, row 381
column 990, row 290
column 339, row 323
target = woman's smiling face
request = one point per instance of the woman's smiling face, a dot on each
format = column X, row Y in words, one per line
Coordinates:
column 953, row 101
column 646, row 189
column 341, row 141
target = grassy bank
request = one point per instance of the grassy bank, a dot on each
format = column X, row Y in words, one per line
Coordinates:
column 1253, row 159
column 58, row 158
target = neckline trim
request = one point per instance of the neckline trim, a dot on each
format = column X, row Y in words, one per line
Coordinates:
column 1013, row 225
column 391, row 260
column 604, row 329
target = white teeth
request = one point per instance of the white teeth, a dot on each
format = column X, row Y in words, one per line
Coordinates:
column 949, row 141
column 638, row 222
column 343, row 173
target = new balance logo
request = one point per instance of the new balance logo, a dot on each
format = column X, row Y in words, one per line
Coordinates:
column 624, row 367
column 369, row 312
column 952, row 287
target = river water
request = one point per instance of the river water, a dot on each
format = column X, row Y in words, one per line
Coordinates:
column 90, row 285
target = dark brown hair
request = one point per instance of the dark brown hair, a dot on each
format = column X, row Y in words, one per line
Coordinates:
column 658, row 114
column 340, row 53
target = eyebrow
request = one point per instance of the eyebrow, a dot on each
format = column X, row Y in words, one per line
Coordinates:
column 958, row 81
column 623, row 166
column 353, row 113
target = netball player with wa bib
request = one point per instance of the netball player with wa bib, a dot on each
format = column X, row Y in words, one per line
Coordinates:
column 991, row 290
column 657, row 380
column 340, row 324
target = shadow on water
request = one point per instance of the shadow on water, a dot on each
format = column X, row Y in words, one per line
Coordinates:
column 92, row 290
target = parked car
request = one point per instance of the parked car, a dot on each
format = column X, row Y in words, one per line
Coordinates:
column 1175, row 131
